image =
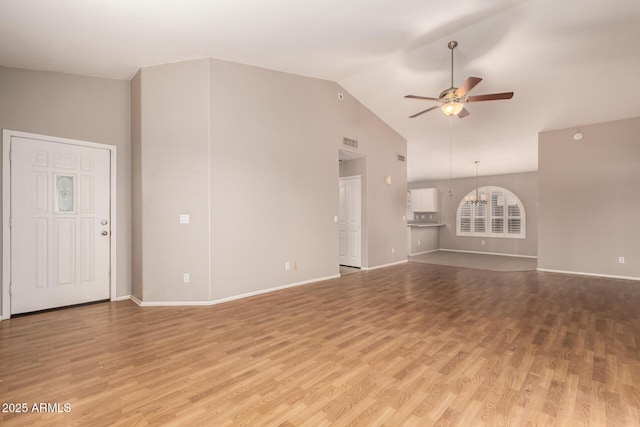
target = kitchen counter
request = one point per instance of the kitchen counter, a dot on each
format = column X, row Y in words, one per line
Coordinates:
column 424, row 224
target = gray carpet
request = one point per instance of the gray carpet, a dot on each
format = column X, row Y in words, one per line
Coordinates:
column 478, row 261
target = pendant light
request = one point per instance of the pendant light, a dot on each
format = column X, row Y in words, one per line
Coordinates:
column 476, row 198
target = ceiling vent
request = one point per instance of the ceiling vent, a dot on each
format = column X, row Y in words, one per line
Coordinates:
column 350, row 142
column 401, row 158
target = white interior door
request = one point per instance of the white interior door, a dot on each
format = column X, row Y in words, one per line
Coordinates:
column 60, row 224
column 350, row 219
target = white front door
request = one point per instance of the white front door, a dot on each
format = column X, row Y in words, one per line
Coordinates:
column 60, row 224
column 350, row 221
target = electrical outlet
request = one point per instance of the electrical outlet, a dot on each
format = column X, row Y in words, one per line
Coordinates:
column 430, row 216
column 393, row 250
column 621, row 260
column 418, row 242
column 185, row 278
column 482, row 242
column 287, row 265
column 295, row 265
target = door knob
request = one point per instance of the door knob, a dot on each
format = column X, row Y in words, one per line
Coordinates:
column 104, row 233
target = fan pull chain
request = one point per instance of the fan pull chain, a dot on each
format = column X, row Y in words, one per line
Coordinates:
column 450, row 155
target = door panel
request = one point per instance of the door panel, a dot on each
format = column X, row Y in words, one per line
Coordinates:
column 41, row 228
column 60, row 210
column 87, row 240
column 64, row 250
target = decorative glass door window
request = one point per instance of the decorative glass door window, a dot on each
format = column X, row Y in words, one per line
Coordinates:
column 65, row 194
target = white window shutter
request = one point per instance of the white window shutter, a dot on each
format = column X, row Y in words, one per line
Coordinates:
column 502, row 215
column 514, row 218
column 497, row 211
column 464, row 219
column 480, row 218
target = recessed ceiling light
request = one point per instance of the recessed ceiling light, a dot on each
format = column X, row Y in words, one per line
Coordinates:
column 578, row 136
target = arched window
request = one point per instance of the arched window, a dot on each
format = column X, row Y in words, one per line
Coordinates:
column 501, row 216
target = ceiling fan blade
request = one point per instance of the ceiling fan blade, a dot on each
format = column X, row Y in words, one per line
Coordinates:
column 468, row 84
column 463, row 113
column 421, row 97
column 424, row 111
column 490, row 97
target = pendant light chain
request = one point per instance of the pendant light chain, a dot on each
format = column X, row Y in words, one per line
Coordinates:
column 477, row 195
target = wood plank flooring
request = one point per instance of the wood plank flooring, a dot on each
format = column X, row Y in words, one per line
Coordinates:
column 409, row 345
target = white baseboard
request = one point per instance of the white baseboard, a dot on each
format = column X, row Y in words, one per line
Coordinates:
column 277, row 288
column 120, row 298
column 489, row 253
column 385, row 265
column 424, row 252
column 173, row 303
column 581, row 273
column 231, row 298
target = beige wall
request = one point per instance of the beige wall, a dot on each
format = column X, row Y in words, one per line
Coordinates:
column 255, row 152
column 386, row 204
column 424, row 239
column 86, row 108
column 173, row 170
column 524, row 185
column 136, row 187
column 589, row 204
column 274, row 178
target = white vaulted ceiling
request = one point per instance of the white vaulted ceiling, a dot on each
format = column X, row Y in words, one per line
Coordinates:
column 570, row 62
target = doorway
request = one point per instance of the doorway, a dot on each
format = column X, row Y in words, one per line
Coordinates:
column 58, row 222
column 353, row 167
column 350, row 221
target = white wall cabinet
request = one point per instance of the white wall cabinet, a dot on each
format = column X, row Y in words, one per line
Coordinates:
column 424, row 200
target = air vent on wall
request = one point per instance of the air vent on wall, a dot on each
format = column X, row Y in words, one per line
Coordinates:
column 350, row 142
column 401, row 158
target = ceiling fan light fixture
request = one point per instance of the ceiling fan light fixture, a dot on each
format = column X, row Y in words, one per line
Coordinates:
column 452, row 100
column 451, row 108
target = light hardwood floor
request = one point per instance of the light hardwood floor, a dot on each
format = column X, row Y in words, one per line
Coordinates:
column 344, row 270
column 413, row 344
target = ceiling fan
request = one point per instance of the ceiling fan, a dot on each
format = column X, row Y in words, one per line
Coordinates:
column 451, row 101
